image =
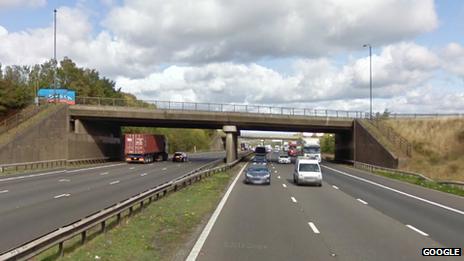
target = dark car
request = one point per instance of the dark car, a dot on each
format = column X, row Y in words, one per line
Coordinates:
column 260, row 151
column 180, row 157
column 258, row 174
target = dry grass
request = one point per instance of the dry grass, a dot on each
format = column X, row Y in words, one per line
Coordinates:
column 438, row 146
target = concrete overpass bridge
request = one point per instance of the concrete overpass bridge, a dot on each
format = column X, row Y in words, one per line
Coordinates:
column 92, row 127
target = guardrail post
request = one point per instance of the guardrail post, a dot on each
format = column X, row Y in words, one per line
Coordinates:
column 83, row 237
column 61, row 249
column 131, row 209
column 118, row 218
column 103, row 226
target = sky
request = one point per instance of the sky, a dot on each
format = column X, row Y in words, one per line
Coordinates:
column 296, row 53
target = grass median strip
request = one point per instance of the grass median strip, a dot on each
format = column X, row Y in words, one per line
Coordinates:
column 158, row 232
column 421, row 182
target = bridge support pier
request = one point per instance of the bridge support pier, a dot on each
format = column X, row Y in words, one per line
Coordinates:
column 231, row 142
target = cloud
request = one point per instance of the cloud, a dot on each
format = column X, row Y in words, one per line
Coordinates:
column 140, row 36
column 400, row 68
column 4, row 4
column 216, row 31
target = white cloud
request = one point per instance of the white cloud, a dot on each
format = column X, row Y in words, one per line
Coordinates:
column 401, row 68
column 21, row 3
column 215, row 31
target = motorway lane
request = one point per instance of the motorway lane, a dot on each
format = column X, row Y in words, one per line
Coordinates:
column 272, row 223
column 444, row 226
column 259, row 223
column 49, row 204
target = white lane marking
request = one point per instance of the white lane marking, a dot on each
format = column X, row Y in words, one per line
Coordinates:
column 418, row 231
column 164, row 168
column 399, row 192
column 362, row 201
column 4, row 191
column 143, row 174
column 278, row 177
column 275, row 171
column 204, row 234
column 294, row 200
column 313, row 227
column 132, row 168
column 64, row 180
column 283, row 185
column 62, row 195
column 335, row 187
column 99, row 167
column 114, row 182
column 33, row 175
column 104, row 173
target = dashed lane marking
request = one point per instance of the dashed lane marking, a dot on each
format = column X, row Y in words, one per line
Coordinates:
column 362, row 201
column 143, row 174
column 4, row 191
column 335, row 187
column 293, row 199
column 283, row 185
column 62, row 195
column 114, row 182
column 314, row 228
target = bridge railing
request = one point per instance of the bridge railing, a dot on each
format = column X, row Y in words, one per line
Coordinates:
column 220, row 107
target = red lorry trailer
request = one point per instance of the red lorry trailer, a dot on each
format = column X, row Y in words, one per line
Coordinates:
column 145, row 148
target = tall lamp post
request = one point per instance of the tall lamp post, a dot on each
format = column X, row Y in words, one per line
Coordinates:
column 370, row 77
column 54, row 56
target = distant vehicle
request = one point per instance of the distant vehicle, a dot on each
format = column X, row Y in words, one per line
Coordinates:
column 258, row 174
column 284, row 159
column 307, row 171
column 293, row 149
column 276, row 148
column 260, row 151
column 268, row 148
column 259, row 159
column 145, row 148
column 244, row 146
column 312, row 149
column 180, row 157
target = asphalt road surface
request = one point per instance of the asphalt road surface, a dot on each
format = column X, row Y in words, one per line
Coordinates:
column 353, row 216
column 35, row 204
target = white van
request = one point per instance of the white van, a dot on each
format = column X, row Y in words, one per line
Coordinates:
column 307, row 171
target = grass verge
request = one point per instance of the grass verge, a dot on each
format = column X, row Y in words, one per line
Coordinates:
column 421, row 182
column 157, row 232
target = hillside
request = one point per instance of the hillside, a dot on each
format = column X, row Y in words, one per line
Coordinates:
column 438, row 146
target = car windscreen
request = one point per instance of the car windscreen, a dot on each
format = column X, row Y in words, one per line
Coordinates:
column 259, row 159
column 312, row 150
column 310, row 167
column 178, row 154
column 258, row 171
column 283, row 156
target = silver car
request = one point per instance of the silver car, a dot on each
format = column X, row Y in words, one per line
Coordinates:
column 258, row 174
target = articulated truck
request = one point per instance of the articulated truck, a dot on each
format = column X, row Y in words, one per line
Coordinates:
column 145, row 148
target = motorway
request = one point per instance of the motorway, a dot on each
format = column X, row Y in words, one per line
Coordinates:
column 353, row 216
column 35, row 204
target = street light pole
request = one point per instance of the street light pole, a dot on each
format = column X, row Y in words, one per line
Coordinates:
column 370, row 77
column 54, row 55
